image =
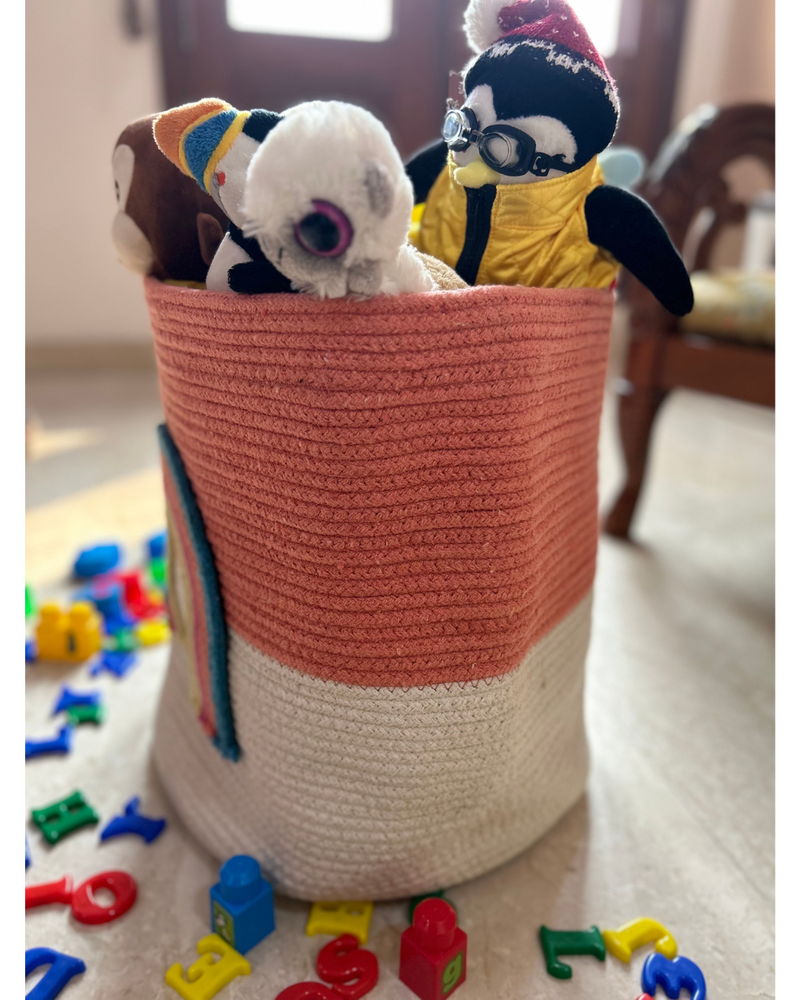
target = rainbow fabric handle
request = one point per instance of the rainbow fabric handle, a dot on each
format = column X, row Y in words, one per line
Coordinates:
column 198, row 621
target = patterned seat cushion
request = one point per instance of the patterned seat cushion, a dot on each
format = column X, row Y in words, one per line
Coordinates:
column 733, row 305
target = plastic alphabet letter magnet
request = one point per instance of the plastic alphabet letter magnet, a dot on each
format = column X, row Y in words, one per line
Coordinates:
column 62, row 817
column 147, row 827
column 114, row 661
column 71, row 699
column 49, row 892
column 55, row 744
column 62, row 969
column 85, row 907
column 352, row 970
column 340, row 918
column 206, row 977
column 672, row 977
column 307, row 991
column 555, row 943
column 626, row 939
column 87, row 910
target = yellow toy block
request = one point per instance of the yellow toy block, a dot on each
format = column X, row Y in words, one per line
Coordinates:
column 151, row 633
column 74, row 635
column 340, row 918
column 626, row 939
column 206, row 977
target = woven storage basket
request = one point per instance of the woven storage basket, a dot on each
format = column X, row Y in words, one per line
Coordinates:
column 383, row 529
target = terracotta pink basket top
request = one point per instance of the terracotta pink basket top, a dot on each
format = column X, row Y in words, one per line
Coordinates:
column 396, row 492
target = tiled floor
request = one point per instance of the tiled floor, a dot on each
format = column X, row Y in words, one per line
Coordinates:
column 678, row 820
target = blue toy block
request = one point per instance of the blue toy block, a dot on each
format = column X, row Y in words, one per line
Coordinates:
column 133, row 821
column 31, row 652
column 62, row 969
column 27, row 854
column 109, row 599
column 157, row 545
column 673, row 976
column 70, row 699
column 113, row 661
column 56, row 744
column 242, row 909
column 96, row 560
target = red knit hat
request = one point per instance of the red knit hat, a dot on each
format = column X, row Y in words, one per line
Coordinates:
column 538, row 59
column 489, row 21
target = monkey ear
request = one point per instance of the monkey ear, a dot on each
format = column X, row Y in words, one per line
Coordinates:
column 379, row 188
column 209, row 235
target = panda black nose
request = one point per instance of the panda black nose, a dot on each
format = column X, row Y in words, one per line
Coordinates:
column 325, row 232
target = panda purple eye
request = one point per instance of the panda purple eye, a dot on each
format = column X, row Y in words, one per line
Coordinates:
column 325, row 232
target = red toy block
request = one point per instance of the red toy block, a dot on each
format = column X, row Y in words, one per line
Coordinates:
column 433, row 951
column 137, row 601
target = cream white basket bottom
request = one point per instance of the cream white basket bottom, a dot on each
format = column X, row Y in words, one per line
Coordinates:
column 346, row 792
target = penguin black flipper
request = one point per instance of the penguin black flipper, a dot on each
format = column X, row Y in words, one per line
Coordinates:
column 425, row 166
column 258, row 275
column 626, row 226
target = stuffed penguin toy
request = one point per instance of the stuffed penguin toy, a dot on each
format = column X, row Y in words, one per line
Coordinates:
column 513, row 193
column 165, row 225
column 330, row 204
column 213, row 143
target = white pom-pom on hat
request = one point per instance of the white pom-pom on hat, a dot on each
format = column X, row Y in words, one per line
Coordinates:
column 481, row 23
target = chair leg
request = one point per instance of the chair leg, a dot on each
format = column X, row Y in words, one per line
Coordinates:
column 637, row 412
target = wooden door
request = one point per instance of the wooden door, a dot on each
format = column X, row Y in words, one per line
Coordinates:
column 645, row 65
column 406, row 78
column 403, row 79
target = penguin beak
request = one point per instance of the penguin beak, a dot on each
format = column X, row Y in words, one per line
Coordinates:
column 475, row 174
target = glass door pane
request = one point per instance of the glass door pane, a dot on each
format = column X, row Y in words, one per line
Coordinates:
column 601, row 20
column 357, row 20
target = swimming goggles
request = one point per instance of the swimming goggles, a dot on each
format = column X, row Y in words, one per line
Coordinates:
column 506, row 149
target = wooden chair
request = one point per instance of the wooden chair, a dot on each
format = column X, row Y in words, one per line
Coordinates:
column 686, row 179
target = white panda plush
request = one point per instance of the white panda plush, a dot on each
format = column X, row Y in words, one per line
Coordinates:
column 328, row 200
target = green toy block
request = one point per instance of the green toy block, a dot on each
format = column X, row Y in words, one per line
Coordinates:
column 158, row 571
column 416, row 900
column 30, row 602
column 63, row 817
column 555, row 943
column 76, row 714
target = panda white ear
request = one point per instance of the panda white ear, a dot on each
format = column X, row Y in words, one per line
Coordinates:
column 481, row 23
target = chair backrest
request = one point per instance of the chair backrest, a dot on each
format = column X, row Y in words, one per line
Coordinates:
column 687, row 177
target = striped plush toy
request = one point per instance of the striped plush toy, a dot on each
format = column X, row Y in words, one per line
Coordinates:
column 212, row 142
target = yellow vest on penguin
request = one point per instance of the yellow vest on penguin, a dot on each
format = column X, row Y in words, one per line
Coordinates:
column 537, row 234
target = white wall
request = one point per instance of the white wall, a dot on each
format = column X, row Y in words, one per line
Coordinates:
column 84, row 82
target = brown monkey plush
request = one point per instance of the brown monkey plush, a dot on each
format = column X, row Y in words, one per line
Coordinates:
column 166, row 226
